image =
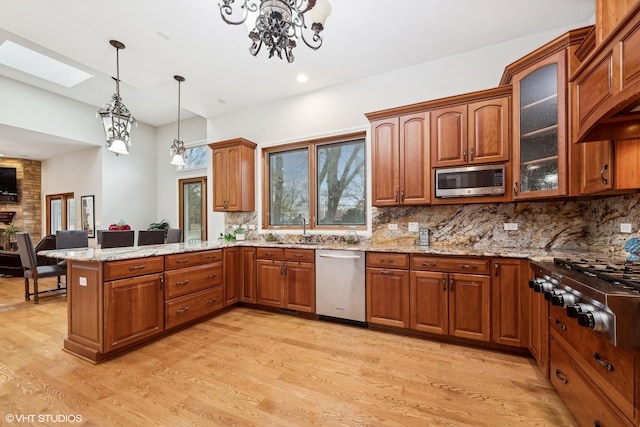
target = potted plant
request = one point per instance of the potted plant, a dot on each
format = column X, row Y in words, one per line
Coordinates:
column 240, row 233
column 10, row 232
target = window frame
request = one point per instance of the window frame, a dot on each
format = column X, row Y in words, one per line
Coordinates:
column 311, row 146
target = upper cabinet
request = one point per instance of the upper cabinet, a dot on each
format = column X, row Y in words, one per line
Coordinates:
column 473, row 133
column 400, row 160
column 233, row 175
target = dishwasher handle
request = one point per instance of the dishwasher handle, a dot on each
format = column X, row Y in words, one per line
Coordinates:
column 339, row 256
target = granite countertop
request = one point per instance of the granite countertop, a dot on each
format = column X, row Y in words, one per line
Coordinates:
column 131, row 252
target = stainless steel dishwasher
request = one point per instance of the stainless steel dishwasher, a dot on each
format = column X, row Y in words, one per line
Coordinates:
column 340, row 286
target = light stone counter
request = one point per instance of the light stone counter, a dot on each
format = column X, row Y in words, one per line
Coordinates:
column 118, row 254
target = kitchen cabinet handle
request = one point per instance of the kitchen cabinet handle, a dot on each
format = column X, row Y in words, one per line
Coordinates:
column 386, row 272
column 602, row 362
column 561, row 325
column 602, row 171
column 429, row 264
column 469, row 266
column 182, row 283
column 183, row 310
column 137, row 267
column 269, row 253
column 515, row 188
column 298, row 255
column 212, row 256
column 402, row 196
column 182, row 261
column 561, row 377
column 444, row 282
column 209, row 301
column 464, row 154
column 339, row 256
column 451, row 284
column 473, row 153
column 211, row 276
column 396, row 196
column 497, row 268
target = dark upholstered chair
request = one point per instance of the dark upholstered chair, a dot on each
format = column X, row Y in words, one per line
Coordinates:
column 69, row 239
column 117, row 239
column 34, row 271
column 47, row 243
column 150, row 237
column 174, row 235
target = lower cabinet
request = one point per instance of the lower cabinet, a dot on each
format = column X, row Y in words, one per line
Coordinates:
column 133, row 310
column 247, row 285
column 286, row 278
column 232, row 275
column 387, row 287
column 508, row 297
column 194, row 291
column 539, row 330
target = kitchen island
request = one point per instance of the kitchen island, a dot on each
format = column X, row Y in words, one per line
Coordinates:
column 122, row 298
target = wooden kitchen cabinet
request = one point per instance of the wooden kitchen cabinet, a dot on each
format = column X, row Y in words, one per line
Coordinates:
column 400, row 160
column 447, row 303
column 233, row 175
column 387, row 289
column 286, row 278
column 232, row 275
column 133, row 310
column 508, row 287
column 247, row 287
column 473, row 133
column 539, row 330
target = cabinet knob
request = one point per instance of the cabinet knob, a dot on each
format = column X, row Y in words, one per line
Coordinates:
column 561, row 377
column 515, row 188
column 602, row 171
column 464, row 154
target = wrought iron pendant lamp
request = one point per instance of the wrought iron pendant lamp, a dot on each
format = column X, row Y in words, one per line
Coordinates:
column 278, row 23
column 116, row 118
column 177, row 152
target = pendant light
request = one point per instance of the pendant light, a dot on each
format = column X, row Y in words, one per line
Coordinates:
column 116, row 118
column 177, row 151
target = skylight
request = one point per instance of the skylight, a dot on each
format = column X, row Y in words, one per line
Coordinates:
column 31, row 62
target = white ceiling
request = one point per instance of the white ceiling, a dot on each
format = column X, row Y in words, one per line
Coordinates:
column 361, row 38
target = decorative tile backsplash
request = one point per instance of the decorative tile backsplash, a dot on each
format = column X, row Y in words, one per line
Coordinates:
column 592, row 224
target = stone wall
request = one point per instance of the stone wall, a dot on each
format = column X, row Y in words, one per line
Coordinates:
column 28, row 210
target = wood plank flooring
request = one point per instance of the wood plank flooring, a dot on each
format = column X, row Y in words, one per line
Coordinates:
column 249, row 367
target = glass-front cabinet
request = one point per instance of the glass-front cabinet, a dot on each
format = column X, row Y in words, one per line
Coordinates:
column 540, row 129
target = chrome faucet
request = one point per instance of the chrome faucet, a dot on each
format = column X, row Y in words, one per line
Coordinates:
column 304, row 229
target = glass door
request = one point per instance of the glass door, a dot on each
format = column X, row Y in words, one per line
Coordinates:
column 61, row 212
column 193, row 208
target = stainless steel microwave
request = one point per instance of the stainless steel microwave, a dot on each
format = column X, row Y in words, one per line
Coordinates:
column 470, row 181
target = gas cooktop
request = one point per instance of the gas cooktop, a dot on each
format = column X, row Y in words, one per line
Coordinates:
column 622, row 275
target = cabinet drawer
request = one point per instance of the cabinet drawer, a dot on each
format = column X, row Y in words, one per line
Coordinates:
column 387, row 260
column 270, row 253
column 190, row 279
column 172, row 262
column 302, row 255
column 585, row 401
column 612, row 368
column 454, row 265
column 183, row 309
column 132, row 267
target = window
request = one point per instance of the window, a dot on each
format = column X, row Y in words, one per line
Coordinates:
column 321, row 181
column 61, row 212
column 196, row 157
column 192, row 195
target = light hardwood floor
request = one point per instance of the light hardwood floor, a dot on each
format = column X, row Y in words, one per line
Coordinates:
column 249, row 367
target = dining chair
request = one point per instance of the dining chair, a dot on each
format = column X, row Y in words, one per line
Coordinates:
column 174, row 235
column 69, row 239
column 150, row 237
column 117, row 239
column 34, row 271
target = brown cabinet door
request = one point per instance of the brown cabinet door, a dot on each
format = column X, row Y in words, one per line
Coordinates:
column 221, row 183
column 133, row 310
column 300, row 286
column 429, row 302
column 234, row 178
column 539, row 330
column 385, row 162
column 248, row 278
column 388, row 297
column 489, row 127
column 449, row 136
column 469, row 306
column 232, row 275
column 270, row 283
column 507, row 316
column 597, row 167
column 414, row 159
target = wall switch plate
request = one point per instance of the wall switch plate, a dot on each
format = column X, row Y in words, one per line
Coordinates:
column 625, row 228
column 511, row 226
column 414, row 226
column 393, row 226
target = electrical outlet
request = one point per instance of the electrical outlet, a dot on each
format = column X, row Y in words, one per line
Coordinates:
column 511, row 226
column 414, row 226
column 625, row 228
column 392, row 226
column 252, row 227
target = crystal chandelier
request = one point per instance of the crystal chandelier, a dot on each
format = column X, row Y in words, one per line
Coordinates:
column 116, row 118
column 278, row 23
column 177, row 151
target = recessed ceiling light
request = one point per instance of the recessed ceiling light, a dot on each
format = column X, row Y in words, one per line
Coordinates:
column 163, row 35
column 302, row 78
column 222, row 101
column 31, row 62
